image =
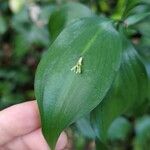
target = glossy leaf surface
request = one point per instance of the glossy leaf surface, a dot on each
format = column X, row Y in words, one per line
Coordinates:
column 127, row 93
column 76, row 73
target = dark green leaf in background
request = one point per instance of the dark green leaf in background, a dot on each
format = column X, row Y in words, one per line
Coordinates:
column 101, row 146
column 124, row 8
column 142, row 129
column 136, row 18
column 119, row 130
column 85, row 128
column 76, row 73
column 3, row 25
column 130, row 4
column 21, row 47
column 65, row 15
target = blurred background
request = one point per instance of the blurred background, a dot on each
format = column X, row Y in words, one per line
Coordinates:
column 23, row 37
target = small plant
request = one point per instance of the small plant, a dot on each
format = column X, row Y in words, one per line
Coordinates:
column 93, row 74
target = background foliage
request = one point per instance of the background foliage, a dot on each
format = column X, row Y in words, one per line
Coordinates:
column 24, row 36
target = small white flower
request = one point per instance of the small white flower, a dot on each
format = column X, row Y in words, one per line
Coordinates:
column 77, row 67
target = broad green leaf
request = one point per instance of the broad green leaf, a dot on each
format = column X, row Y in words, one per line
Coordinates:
column 127, row 93
column 76, row 73
column 136, row 18
column 142, row 129
column 65, row 15
column 145, row 106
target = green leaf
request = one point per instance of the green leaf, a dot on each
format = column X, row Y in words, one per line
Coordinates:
column 131, row 4
column 146, row 1
column 144, row 29
column 21, row 45
column 85, row 128
column 119, row 130
column 148, row 72
column 65, row 15
column 119, row 10
column 3, row 25
column 127, row 93
column 124, row 8
column 76, row 73
column 142, row 129
column 136, row 18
